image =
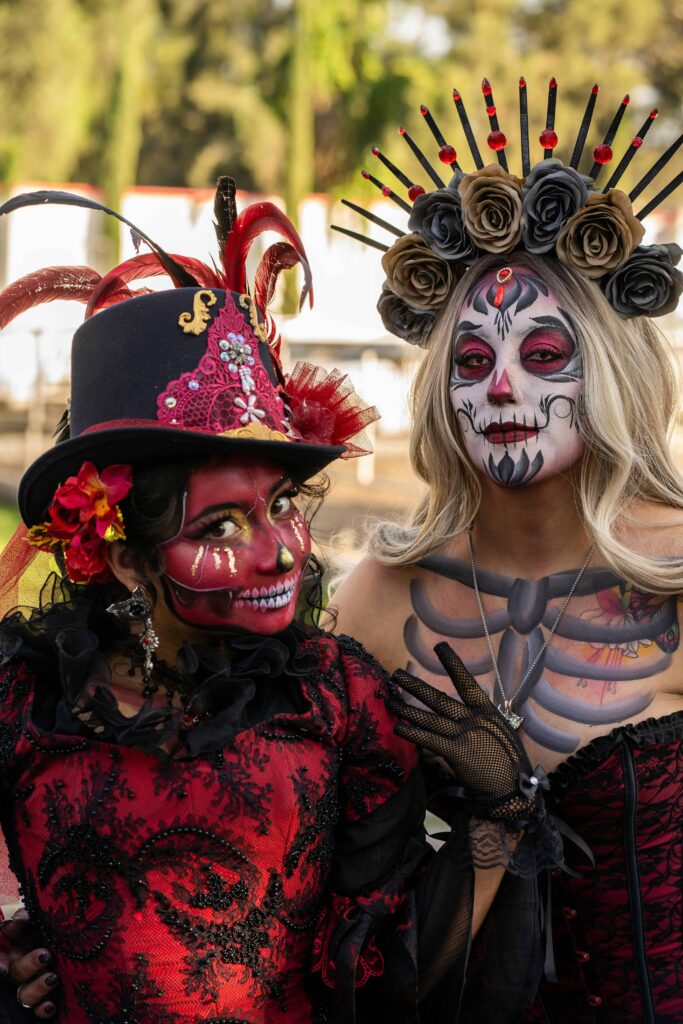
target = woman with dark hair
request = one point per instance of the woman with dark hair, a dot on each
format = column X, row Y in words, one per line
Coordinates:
column 206, row 802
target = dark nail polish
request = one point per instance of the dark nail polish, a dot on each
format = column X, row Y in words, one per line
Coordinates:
column 49, row 1008
column 51, row 979
column 44, row 958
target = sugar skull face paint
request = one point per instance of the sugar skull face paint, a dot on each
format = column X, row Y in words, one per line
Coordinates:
column 516, row 379
column 239, row 555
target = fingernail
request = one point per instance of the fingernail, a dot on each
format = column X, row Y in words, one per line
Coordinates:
column 49, row 1008
column 51, row 979
column 44, row 958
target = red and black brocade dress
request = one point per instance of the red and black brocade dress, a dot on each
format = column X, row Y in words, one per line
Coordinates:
column 262, row 876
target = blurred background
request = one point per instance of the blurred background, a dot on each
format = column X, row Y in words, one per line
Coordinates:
column 142, row 103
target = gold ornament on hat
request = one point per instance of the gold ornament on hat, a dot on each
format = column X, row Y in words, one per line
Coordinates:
column 196, row 321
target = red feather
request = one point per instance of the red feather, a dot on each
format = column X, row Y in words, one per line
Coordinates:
column 112, row 287
column 278, row 257
column 45, row 286
column 251, row 223
column 120, row 295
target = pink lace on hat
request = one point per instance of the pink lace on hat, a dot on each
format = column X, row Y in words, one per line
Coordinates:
column 230, row 389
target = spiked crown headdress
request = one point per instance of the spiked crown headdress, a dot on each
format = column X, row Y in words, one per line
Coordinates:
column 552, row 209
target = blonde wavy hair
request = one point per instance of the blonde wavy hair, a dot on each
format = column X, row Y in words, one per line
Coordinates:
column 629, row 403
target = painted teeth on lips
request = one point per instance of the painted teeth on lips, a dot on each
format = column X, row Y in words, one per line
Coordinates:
column 508, row 433
column 267, row 598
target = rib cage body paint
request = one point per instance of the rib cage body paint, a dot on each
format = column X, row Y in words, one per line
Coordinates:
column 619, row 624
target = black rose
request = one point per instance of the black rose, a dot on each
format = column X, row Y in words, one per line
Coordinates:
column 551, row 195
column 437, row 216
column 648, row 284
column 413, row 325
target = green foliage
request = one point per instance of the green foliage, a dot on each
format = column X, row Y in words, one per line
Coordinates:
column 290, row 95
column 46, row 94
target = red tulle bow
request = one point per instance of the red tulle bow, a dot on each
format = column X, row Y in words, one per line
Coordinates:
column 325, row 409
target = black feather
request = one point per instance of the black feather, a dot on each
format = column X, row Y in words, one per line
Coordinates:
column 62, row 431
column 224, row 208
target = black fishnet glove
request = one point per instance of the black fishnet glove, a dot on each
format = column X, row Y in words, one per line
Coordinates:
column 479, row 745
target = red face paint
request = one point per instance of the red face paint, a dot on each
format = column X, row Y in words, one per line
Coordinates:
column 238, row 557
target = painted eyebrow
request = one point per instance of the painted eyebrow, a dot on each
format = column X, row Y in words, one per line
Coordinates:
column 226, row 506
column 552, row 321
column 465, row 326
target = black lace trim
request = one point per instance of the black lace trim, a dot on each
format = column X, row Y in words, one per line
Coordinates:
column 647, row 733
column 264, row 676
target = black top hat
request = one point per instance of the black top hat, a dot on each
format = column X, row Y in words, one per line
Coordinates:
column 187, row 373
column 179, row 374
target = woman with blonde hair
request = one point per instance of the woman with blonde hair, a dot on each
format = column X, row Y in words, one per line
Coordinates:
column 548, row 545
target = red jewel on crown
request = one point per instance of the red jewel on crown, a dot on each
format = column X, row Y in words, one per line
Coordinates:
column 414, row 192
column 496, row 141
column 548, row 138
column 447, row 155
column 602, row 154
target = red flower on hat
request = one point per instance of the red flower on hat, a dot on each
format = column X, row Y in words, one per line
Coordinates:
column 85, row 559
column 83, row 517
column 95, row 496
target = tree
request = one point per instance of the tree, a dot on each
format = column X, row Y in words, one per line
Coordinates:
column 46, row 94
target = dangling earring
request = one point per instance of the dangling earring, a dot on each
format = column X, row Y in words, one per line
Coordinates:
column 137, row 608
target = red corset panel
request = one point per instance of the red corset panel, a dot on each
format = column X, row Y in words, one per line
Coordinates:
column 618, row 928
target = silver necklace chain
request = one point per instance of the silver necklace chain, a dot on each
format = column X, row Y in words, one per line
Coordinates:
column 505, row 707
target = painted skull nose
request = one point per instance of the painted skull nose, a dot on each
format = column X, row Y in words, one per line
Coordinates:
column 500, row 389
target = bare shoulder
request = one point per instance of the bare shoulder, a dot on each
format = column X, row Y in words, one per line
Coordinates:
column 654, row 529
column 370, row 604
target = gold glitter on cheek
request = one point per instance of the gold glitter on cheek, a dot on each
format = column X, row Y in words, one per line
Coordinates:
column 198, row 556
column 216, row 558
column 297, row 531
column 231, row 560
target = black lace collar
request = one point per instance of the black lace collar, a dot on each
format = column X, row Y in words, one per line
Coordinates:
column 262, row 677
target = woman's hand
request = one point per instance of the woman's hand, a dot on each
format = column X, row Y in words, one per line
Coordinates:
column 28, row 967
column 478, row 744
